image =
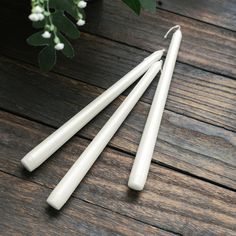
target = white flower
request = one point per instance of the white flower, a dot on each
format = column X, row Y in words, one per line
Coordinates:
column 82, row 4
column 80, row 22
column 59, row 46
column 46, row 35
column 40, row 16
column 36, row 16
column 33, row 17
column 37, row 9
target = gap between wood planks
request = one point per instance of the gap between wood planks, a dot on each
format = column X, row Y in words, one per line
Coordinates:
column 133, row 153
column 192, row 18
column 22, row 62
column 138, row 47
column 201, row 69
column 209, row 40
column 167, row 9
column 164, row 56
column 90, row 203
column 205, row 110
column 180, row 196
column 182, row 88
column 210, row 11
column 158, row 163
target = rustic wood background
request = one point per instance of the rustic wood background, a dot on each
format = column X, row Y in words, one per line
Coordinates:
column 191, row 189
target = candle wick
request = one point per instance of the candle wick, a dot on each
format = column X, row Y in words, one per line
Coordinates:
column 172, row 28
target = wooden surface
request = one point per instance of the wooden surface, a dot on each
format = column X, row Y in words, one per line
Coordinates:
column 191, row 188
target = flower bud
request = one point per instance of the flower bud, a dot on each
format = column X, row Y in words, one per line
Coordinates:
column 40, row 16
column 33, row 17
column 46, row 35
column 59, row 46
column 82, row 4
column 80, row 22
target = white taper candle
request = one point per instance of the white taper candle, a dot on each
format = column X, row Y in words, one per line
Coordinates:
column 76, row 173
column 46, row 148
column 146, row 147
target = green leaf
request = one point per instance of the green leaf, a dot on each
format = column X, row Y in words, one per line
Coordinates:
column 149, row 5
column 37, row 39
column 64, row 5
column 68, row 50
column 65, row 25
column 134, row 5
column 47, row 58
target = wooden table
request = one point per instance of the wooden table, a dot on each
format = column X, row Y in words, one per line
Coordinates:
column 191, row 188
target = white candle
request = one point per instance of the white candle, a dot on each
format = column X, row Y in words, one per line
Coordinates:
column 146, row 147
column 46, row 148
column 76, row 173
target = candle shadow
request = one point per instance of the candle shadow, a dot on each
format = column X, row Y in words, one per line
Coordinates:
column 27, row 174
column 51, row 212
column 132, row 195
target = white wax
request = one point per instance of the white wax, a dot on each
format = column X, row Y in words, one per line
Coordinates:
column 46, row 148
column 76, row 173
column 146, row 147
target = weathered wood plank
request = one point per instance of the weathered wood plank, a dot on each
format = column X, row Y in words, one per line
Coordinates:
column 25, row 212
column 203, row 45
column 183, row 143
column 171, row 200
column 194, row 93
column 217, row 12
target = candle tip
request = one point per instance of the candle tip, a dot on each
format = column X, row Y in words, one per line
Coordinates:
column 158, row 63
column 172, row 28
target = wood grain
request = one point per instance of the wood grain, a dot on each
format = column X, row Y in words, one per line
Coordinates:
column 203, row 45
column 216, row 12
column 194, row 92
column 191, row 189
column 24, row 212
column 171, row 200
column 183, row 143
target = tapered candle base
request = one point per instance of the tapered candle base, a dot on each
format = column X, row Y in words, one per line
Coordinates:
column 135, row 185
column 26, row 162
column 141, row 166
column 137, row 179
column 54, row 202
